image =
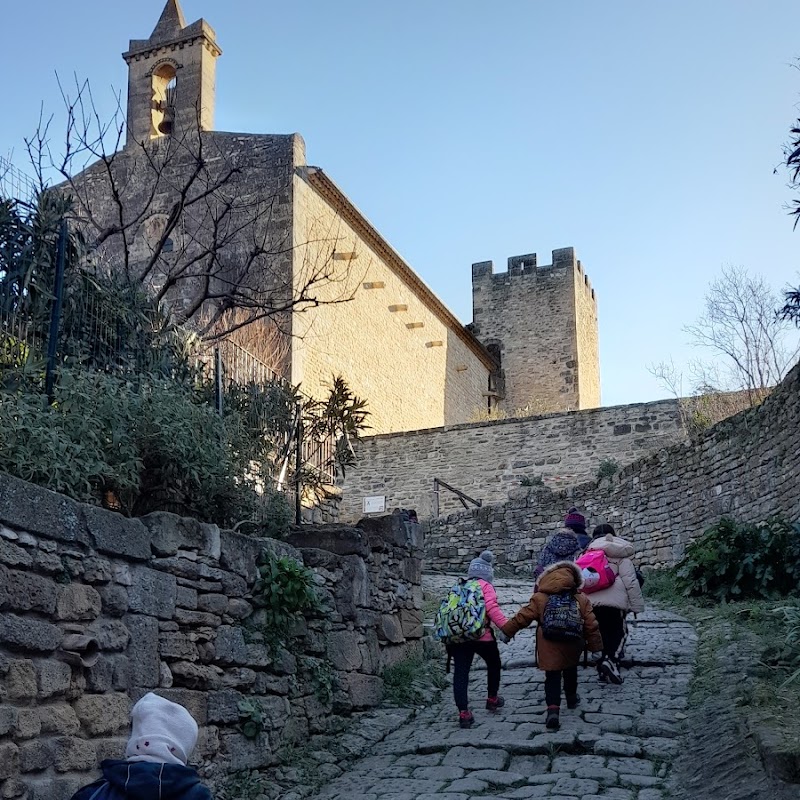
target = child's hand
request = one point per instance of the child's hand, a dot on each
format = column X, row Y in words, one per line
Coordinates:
column 502, row 637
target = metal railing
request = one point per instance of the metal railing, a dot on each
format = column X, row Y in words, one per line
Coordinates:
column 463, row 498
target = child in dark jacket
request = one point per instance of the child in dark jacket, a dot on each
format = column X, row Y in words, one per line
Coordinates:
column 563, row 545
column 163, row 736
column 558, row 659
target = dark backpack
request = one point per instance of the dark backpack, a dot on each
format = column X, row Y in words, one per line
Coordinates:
column 562, row 620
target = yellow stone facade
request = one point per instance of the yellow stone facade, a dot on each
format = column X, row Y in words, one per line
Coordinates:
column 390, row 338
column 587, row 341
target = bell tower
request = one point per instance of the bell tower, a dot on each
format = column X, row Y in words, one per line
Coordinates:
column 171, row 78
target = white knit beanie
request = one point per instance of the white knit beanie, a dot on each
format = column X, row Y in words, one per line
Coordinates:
column 481, row 567
column 161, row 731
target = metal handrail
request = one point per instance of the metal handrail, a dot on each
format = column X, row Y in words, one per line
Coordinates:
column 462, row 497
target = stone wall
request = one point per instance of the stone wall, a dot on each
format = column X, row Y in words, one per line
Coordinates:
column 746, row 467
column 543, row 320
column 486, row 460
column 97, row 609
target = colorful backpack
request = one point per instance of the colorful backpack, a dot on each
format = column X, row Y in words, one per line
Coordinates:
column 562, row 620
column 462, row 614
column 595, row 563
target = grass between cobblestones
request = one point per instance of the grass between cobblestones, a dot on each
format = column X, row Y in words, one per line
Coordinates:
column 413, row 682
column 742, row 651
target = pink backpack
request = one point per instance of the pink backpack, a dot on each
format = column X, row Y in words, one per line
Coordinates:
column 597, row 572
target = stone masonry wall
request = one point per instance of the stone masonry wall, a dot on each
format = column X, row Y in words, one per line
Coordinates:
column 163, row 603
column 262, row 185
column 485, row 460
column 746, row 467
column 533, row 314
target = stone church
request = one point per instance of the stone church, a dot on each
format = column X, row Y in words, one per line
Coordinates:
column 274, row 226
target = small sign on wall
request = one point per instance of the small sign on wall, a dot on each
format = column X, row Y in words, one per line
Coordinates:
column 374, row 505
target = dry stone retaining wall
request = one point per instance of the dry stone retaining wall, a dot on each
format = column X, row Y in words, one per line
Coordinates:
column 747, row 467
column 486, row 460
column 164, row 603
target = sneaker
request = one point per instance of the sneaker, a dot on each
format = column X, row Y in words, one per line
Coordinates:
column 465, row 719
column 573, row 702
column 493, row 703
column 551, row 722
column 610, row 671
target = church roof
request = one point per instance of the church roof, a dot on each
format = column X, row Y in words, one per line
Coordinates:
column 339, row 201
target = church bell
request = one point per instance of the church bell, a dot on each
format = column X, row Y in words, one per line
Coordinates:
column 167, row 107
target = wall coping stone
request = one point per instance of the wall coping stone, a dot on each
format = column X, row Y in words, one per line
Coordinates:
column 24, row 506
column 577, row 414
column 339, row 539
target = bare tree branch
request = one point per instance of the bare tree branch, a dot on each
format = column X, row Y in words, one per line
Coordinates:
column 740, row 324
column 179, row 217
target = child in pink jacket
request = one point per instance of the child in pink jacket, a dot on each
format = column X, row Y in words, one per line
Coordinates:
column 486, row 646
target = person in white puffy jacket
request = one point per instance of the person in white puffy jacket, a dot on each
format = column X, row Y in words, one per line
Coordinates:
column 612, row 604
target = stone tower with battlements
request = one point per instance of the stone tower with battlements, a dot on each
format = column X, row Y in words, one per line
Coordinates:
column 540, row 322
column 171, row 78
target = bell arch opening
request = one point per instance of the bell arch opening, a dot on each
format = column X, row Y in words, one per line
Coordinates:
column 165, row 88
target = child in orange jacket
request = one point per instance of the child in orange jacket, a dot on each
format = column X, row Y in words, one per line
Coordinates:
column 559, row 659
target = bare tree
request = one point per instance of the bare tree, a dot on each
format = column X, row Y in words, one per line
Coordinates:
column 179, row 216
column 669, row 376
column 739, row 324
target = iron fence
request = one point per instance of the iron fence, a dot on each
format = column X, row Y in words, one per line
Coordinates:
column 85, row 324
column 234, row 365
column 15, row 184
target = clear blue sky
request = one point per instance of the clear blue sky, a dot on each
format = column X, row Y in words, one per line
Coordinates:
column 642, row 133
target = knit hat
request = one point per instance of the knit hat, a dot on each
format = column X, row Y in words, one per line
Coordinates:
column 162, row 732
column 575, row 519
column 481, row 567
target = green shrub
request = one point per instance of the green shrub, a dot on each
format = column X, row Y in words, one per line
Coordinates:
column 734, row 561
column 321, row 676
column 607, row 469
column 251, row 720
column 154, row 444
column 660, row 584
column 284, row 590
column 82, row 446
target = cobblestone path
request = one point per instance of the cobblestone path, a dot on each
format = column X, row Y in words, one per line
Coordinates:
column 617, row 745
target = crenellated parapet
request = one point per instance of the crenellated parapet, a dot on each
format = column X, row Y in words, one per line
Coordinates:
column 563, row 266
column 541, row 320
